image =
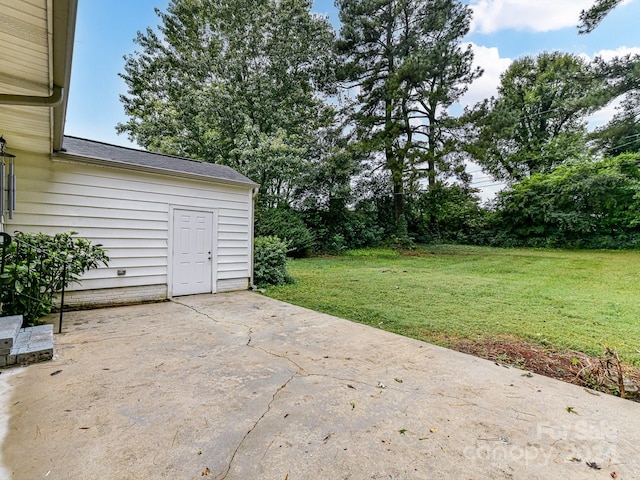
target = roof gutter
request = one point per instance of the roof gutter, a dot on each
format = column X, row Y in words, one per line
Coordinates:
column 34, row 101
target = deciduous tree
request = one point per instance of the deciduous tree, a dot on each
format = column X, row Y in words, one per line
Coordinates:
column 238, row 82
column 537, row 120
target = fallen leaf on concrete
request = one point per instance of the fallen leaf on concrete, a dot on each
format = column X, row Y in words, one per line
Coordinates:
column 571, row 410
column 206, row 472
column 399, row 380
column 574, row 459
column 55, row 373
column 353, row 405
column 433, row 430
column 402, row 431
column 504, row 440
column 594, row 465
column 350, row 386
column 613, row 475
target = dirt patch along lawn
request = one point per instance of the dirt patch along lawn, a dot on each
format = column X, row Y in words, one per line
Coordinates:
column 605, row 373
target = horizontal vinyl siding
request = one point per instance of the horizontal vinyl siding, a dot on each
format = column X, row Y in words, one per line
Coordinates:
column 129, row 214
column 233, row 241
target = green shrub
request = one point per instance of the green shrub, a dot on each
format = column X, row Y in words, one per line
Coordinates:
column 339, row 229
column 35, row 271
column 270, row 262
column 581, row 204
column 288, row 225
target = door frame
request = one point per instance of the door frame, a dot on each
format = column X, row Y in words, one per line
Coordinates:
column 171, row 243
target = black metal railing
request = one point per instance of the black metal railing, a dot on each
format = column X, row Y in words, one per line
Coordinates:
column 37, row 265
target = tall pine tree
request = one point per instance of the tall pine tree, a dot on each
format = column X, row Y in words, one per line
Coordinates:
column 403, row 64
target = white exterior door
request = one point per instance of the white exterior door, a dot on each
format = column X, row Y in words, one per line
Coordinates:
column 192, row 252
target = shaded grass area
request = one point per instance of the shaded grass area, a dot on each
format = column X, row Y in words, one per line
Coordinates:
column 580, row 301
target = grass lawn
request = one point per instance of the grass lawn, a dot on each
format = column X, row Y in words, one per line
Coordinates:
column 564, row 300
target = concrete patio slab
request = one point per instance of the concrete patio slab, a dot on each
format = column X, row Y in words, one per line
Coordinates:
column 239, row 386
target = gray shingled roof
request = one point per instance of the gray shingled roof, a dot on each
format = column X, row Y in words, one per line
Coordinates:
column 103, row 153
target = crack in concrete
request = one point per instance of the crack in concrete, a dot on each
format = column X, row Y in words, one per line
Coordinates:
column 215, row 320
column 222, row 475
column 300, row 368
column 299, row 371
column 249, row 328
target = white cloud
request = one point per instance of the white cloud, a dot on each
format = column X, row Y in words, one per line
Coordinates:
column 488, row 58
column 538, row 15
column 602, row 116
column 608, row 55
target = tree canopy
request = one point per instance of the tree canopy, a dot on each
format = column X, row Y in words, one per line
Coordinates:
column 537, row 120
column 352, row 135
column 405, row 64
column 237, row 82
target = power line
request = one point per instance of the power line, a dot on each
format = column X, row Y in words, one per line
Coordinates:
column 617, row 147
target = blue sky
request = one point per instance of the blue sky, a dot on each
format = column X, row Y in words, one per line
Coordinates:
column 502, row 30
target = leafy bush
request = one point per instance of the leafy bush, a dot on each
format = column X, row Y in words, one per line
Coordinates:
column 445, row 214
column 35, row 271
column 286, row 224
column 586, row 204
column 339, row 229
column 270, row 262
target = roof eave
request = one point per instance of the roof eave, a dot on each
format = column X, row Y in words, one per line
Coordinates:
column 147, row 169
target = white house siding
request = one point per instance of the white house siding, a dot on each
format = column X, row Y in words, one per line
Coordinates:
column 25, row 70
column 129, row 214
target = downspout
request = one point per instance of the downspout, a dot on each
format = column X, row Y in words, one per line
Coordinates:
column 254, row 194
column 34, row 101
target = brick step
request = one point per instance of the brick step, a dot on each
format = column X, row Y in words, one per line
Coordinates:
column 9, row 328
column 28, row 345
